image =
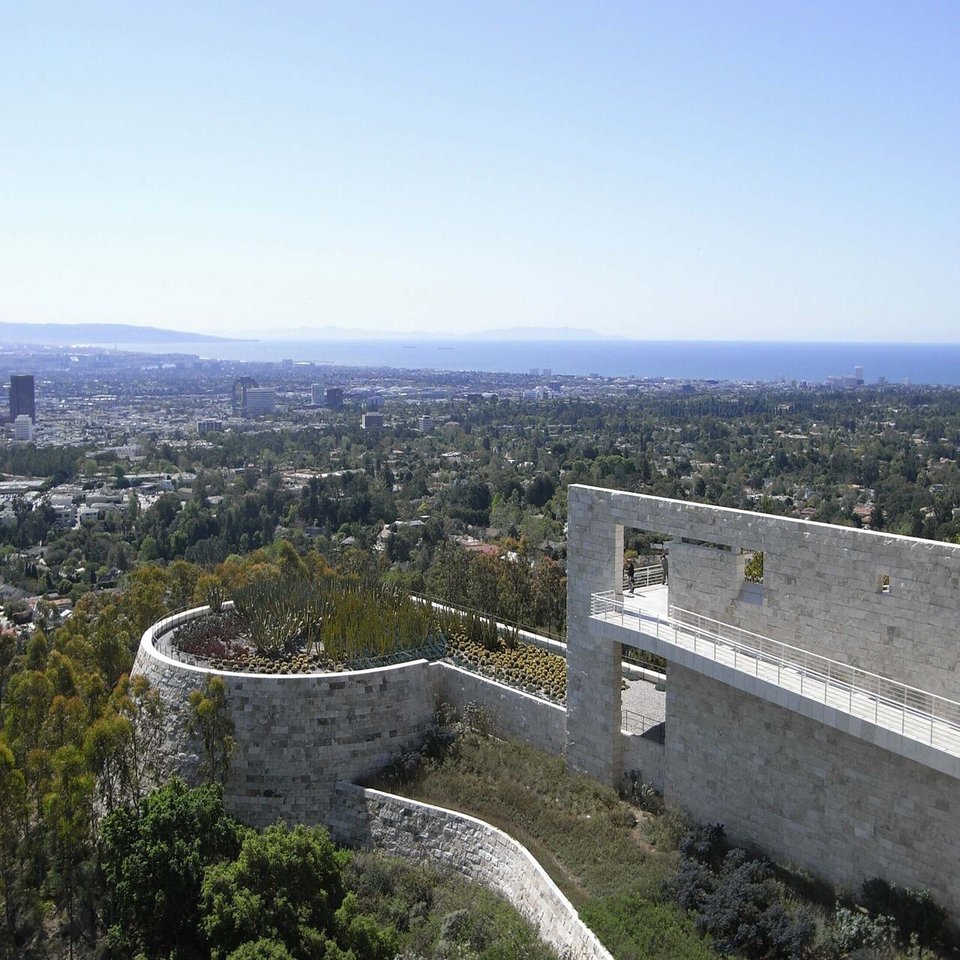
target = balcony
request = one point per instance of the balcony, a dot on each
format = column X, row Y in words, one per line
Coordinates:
column 917, row 724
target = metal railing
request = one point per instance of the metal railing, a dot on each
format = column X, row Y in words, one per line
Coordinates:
column 637, row 723
column 501, row 622
column 644, row 577
column 914, row 713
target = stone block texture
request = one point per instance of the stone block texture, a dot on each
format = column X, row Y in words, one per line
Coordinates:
column 477, row 850
column 594, row 563
column 822, row 584
column 645, row 755
column 513, row 714
column 807, row 794
column 296, row 735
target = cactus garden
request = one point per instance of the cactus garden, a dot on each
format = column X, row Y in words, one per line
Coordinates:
column 280, row 624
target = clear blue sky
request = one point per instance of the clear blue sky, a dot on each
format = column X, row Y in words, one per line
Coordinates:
column 665, row 170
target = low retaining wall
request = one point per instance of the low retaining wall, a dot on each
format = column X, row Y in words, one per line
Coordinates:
column 644, row 753
column 514, row 715
column 473, row 848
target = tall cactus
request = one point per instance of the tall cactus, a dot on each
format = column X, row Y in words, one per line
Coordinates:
column 341, row 619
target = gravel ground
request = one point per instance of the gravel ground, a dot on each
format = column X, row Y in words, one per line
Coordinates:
column 642, row 697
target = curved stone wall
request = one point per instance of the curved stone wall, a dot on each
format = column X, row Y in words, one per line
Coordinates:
column 301, row 739
column 473, row 848
column 297, row 734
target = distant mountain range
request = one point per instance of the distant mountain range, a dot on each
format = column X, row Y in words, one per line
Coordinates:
column 69, row 334
column 79, row 334
column 511, row 333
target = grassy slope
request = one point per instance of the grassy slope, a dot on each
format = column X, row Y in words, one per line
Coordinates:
column 438, row 913
column 598, row 849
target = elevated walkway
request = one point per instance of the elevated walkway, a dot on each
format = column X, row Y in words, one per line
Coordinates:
column 914, row 723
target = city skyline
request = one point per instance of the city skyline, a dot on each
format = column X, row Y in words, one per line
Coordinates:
column 722, row 171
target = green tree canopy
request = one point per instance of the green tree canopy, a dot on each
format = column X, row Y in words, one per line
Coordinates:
column 286, row 886
column 153, row 866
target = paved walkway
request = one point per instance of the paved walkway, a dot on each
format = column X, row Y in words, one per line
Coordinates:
column 642, row 704
column 653, row 600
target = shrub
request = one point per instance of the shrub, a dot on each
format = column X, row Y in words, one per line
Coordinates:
column 854, row 929
column 692, row 884
column 788, row 934
column 736, row 900
column 706, row 844
column 403, row 766
column 732, row 911
column 918, row 917
column 640, row 794
column 477, row 719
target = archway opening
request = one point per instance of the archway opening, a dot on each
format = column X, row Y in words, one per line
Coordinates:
column 645, row 587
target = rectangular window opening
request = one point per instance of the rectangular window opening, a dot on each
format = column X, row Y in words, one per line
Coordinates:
column 706, row 543
column 645, row 563
column 752, row 565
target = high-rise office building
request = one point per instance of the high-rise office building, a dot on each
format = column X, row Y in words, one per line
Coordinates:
column 23, row 428
column 21, row 397
column 209, row 425
column 240, row 387
column 334, row 398
column 260, row 400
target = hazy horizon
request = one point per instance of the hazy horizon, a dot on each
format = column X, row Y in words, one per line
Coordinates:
column 524, row 335
column 685, row 172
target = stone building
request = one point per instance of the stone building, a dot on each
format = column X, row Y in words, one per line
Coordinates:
column 811, row 695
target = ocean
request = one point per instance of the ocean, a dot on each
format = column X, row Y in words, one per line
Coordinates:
column 917, row 363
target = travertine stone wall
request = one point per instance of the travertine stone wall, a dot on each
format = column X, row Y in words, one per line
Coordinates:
column 822, row 583
column 807, row 794
column 296, row 735
column 645, row 754
column 594, row 563
column 802, row 781
column 513, row 714
column 301, row 738
column 471, row 847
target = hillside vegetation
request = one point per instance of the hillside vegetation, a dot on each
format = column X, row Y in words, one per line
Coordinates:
column 654, row 886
